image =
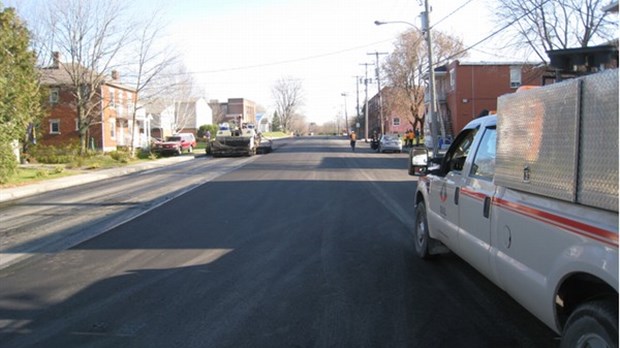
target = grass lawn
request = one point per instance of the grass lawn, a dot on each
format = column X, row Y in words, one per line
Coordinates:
column 32, row 173
column 274, row 135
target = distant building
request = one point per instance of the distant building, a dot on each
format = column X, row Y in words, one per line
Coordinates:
column 179, row 117
column 235, row 110
column 396, row 114
column 263, row 122
column 192, row 114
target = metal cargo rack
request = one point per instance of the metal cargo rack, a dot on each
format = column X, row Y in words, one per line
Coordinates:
column 561, row 140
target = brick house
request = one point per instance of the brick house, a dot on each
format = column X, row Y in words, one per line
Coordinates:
column 464, row 90
column 395, row 113
column 111, row 118
column 241, row 107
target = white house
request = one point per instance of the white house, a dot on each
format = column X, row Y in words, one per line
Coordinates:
column 190, row 115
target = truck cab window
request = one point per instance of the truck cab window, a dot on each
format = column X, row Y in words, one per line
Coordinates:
column 484, row 162
column 457, row 154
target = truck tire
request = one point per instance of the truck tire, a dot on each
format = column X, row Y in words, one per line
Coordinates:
column 592, row 324
column 420, row 232
column 190, row 149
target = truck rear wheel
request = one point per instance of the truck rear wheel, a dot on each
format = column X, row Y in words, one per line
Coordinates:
column 420, row 231
column 593, row 324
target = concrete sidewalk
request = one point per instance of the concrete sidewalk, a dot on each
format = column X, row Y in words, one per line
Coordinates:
column 13, row 193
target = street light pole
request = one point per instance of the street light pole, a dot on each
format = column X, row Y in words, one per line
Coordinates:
column 346, row 118
column 426, row 29
column 431, row 83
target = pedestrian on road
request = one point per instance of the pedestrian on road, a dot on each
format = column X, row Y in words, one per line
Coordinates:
column 353, row 138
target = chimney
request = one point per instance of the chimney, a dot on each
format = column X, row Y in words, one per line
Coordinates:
column 115, row 75
column 55, row 59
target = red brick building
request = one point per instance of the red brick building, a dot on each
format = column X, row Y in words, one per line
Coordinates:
column 110, row 119
column 464, row 90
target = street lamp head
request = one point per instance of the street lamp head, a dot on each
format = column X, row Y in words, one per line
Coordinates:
column 379, row 23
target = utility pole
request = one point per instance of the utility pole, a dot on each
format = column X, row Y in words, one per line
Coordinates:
column 426, row 27
column 378, row 77
column 357, row 91
column 366, row 101
column 346, row 118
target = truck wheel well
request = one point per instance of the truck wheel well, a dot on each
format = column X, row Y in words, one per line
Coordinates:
column 418, row 198
column 577, row 289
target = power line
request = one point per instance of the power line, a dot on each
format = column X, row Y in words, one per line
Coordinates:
column 453, row 12
column 285, row 61
column 447, row 59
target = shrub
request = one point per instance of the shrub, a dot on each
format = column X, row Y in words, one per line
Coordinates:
column 8, row 162
column 121, row 155
column 55, row 154
column 212, row 128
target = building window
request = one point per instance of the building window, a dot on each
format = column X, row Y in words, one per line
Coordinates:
column 515, row 76
column 112, row 101
column 55, row 126
column 396, row 122
column 452, row 78
column 54, row 95
column 119, row 107
column 113, row 128
column 77, row 124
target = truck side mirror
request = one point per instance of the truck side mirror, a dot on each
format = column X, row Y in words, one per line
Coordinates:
column 418, row 159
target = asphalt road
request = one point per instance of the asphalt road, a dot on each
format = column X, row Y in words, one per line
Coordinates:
column 308, row 246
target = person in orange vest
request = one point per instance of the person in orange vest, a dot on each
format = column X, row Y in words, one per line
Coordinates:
column 353, row 138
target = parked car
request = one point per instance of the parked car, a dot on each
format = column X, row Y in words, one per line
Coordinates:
column 390, row 142
column 175, row 144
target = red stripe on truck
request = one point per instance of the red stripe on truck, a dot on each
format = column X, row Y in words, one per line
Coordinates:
column 579, row 228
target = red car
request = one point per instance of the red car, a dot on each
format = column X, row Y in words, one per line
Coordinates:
column 176, row 144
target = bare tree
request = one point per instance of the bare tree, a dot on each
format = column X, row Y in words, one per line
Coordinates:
column 90, row 34
column 542, row 25
column 287, row 93
column 174, row 87
column 218, row 112
column 183, row 92
column 148, row 63
column 406, row 69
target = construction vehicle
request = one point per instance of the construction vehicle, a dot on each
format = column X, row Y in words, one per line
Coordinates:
column 240, row 141
column 529, row 197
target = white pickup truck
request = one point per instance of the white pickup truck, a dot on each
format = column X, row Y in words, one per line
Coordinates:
column 529, row 197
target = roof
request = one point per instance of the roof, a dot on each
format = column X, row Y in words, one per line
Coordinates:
column 482, row 63
column 61, row 75
column 612, row 7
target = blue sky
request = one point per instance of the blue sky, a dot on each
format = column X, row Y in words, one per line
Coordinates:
column 239, row 48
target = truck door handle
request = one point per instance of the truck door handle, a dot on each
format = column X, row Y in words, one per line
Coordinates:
column 456, row 196
column 487, row 207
